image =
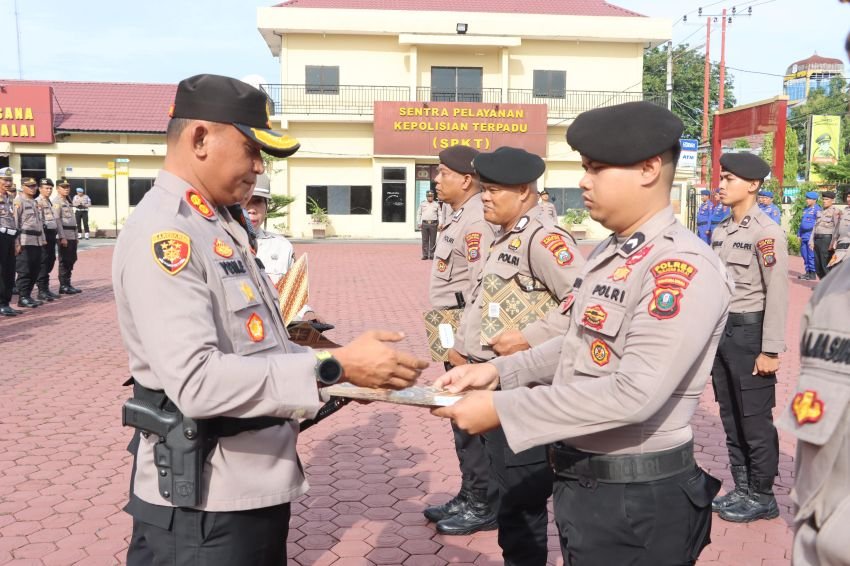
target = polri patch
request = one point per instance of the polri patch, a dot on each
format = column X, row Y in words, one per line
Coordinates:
column 256, row 329
column 473, row 246
column 171, row 250
column 600, row 353
column 664, row 303
column 199, row 204
column 807, row 407
column 441, row 265
column 673, row 273
column 515, row 244
column 559, row 249
column 768, row 252
column 594, row 317
column 222, row 249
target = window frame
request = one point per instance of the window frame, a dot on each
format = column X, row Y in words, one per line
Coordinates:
column 328, row 82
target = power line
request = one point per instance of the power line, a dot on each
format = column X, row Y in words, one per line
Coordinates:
column 775, row 74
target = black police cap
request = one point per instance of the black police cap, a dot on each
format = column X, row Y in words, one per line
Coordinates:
column 459, row 158
column 29, row 182
column 509, row 166
column 46, row 181
column 828, row 194
column 230, row 101
column 63, row 182
column 626, row 133
column 745, row 165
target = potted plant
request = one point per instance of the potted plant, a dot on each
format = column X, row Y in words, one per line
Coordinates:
column 573, row 220
column 318, row 218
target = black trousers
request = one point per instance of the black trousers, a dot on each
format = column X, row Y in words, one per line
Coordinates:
column 660, row 523
column 7, row 267
column 746, row 402
column 474, row 464
column 523, row 484
column 822, row 254
column 48, row 260
column 28, row 264
column 67, row 259
column 429, row 239
column 82, row 220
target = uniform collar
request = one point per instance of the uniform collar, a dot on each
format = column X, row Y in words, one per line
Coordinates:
column 182, row 191
column 647, row 232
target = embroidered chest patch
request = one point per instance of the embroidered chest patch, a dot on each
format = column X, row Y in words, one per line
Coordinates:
column 594, row 317
column 256, row 330
column 171, row 250
column 600, row 353
column 222, row 249
column 442, row 265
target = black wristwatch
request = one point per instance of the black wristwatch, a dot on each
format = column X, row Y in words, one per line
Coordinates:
column 328, row 369
column 771, row 354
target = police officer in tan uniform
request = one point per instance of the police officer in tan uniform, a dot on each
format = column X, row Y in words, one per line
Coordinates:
column 30, row 243
column 822, row 239
column 615, row 396
column 754, row 250
column 53, row 234
column 64, row 211
column 8, row 238
column 841, row 238
column 459, row 256
column 429, row 215
column 182, row 263
column 547, row 206
column 531, row 246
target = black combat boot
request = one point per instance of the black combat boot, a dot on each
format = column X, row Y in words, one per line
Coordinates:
column 45, row 296
column 28, row 302
column 739, row 476
column 475, row 516
column 6, row 310
column 451, row 507
column 758, row 504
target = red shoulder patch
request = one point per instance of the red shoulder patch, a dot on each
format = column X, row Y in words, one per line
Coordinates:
column 672, row 277
column 473, row 246
column 558, row 247
column 768, row 253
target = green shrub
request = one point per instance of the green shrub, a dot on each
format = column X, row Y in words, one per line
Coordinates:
column 574, row 216
column 793, row 245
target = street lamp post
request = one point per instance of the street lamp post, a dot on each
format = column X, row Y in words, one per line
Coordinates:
column 118, row 160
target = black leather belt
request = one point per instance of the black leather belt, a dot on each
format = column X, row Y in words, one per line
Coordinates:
column 66, row 227
column 31, row 232
column 429, row 222
column 744, row 318
column 569, row 463
column 821, row 236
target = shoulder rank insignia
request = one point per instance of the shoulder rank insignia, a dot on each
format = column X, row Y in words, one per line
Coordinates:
column 171, row 250
column 222, row 249
column 256, row 330
column 199, row 204
column 807, row 407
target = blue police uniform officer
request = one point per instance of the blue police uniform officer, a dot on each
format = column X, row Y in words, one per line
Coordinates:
column 769, row 208
column 719, row 213
column 704, row 217
column 807, row 224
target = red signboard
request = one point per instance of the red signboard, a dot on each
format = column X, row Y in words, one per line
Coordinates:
column 426, row 128
column 26, row 114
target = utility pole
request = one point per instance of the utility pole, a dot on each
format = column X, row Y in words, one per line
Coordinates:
column 670, row 75
column 18, row 32
column 705, row 98
column 722, row 93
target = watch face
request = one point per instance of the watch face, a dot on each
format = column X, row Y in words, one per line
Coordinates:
column 329, row 371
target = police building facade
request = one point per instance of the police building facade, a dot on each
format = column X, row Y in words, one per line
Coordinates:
column 373, row 94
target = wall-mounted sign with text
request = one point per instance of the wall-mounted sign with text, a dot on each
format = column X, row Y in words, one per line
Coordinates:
column 426, row 128
column 26, row 114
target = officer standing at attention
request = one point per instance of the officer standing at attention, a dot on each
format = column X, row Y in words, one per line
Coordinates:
column 647, row 314
column 530, row 245
column 807, row 244
column 8, row 238
column 64, row 212
column 81, row 203
column 429, row 214
column 704, row 216
column 841, row 239
column 819, row 416
column 719, row 213
column 30, row 244
column 225, row 371
column 766, row 205
column 53, row 234
column 754, row 249
column 547, row 206
column 459, row 256
column 824, row 232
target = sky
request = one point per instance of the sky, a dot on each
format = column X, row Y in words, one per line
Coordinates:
column 164, row 41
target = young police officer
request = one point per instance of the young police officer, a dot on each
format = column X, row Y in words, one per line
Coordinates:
column 8, row 239
column 182, row 263
column 754, row 249
column 824, row 232
column 459, row 256
column 704, row 216
column 30, row 244
column 804, row 232
column 647, row 314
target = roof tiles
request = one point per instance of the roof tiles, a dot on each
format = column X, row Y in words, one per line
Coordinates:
column 551, row 7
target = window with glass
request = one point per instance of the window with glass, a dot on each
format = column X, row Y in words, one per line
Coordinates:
column 97, row 189
column 456, row 84
column 322, row 79
column 565, row 198
column 138, row 189
column 341, row 199
column 34, row 166
column 393, row 194
column 550, row 84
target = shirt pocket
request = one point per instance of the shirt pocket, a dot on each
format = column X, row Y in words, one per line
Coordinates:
column 250, row 320
column 602, row 322
column 444, row 260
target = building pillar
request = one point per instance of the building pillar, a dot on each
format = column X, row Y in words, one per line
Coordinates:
column 506, row 70
column 414, row 71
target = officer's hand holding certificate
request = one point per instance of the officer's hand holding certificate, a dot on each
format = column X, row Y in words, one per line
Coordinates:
column 467, row 377
column 368, row 361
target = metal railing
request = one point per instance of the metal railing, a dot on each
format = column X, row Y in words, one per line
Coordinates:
column 360, row 99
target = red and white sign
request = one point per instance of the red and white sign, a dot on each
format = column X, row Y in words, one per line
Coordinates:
column 26, row 114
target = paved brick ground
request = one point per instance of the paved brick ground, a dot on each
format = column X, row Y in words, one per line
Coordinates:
column 64, row 469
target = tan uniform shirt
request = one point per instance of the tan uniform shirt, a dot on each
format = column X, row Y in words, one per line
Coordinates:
column 30, row 222
column 819, row 416
column 8, row 224
column 429, row 211
column 841, row 238
column 647, row 316
column 756, row 254
column 445, row 215
column 534, row 248
column 549, row 208
column 51, row 219
column 826, row 221
column 81, row 202
column 460, row 254
column 200, row 321
column 64, row 212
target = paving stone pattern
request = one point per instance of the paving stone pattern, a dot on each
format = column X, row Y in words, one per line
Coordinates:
column 372, row 468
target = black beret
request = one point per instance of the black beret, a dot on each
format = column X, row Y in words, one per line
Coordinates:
column 63, row 182
column 459, row 158
column 229, row 101
column 828, row 194
column 745, row 165
column 46, row 181
column 509, row 166
column 626, row 133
